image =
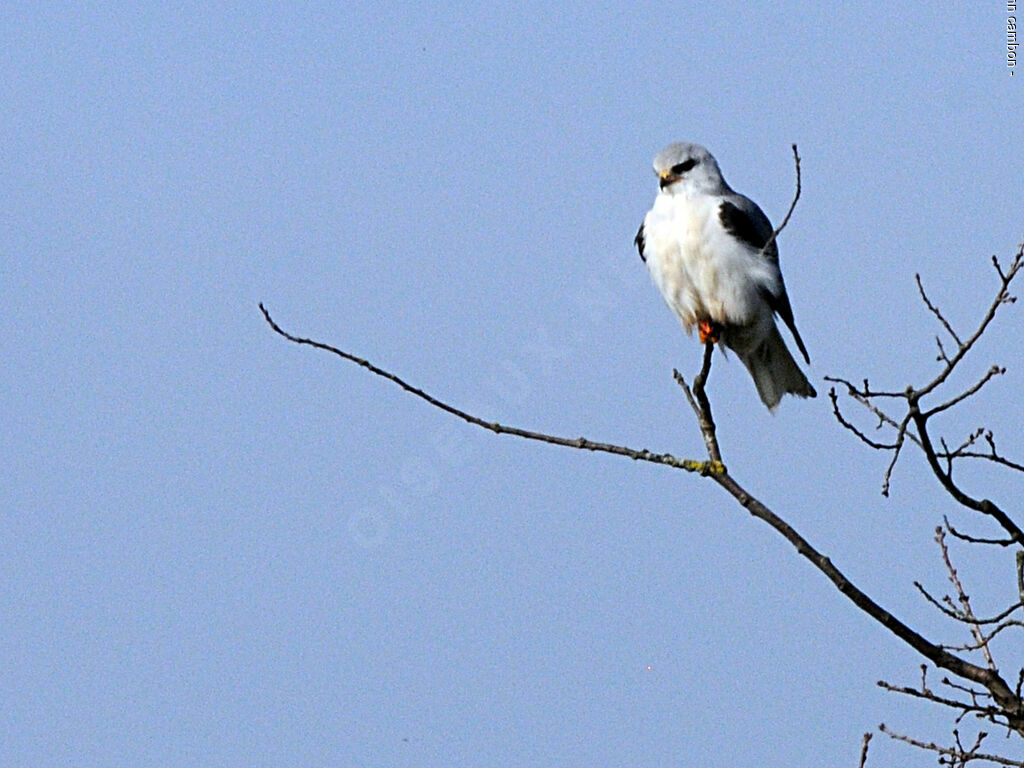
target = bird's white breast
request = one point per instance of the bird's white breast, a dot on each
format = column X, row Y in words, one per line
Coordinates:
column 702, row 271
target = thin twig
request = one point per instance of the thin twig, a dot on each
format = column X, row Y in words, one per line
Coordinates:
column 982, row 644
column 864, row 399
column 995, row 459
column 975, row 539
column 1002, row 297
column 792, row 205
column 989, row 711
column 1020, row 580
column 958, row 616
column 864, row 750
column 901, row 434
column 842, row 420
column 965, row 601
column 956, row 755
column 705, row 420
column 865, row 390
column 992, row 372
column 707, row 431
column 935, row 311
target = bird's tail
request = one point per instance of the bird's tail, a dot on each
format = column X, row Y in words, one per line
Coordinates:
column 775, row 371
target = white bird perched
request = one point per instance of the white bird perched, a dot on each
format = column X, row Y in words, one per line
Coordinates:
column 702, row 243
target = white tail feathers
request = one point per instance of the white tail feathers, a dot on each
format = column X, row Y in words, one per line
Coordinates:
column 775, row 371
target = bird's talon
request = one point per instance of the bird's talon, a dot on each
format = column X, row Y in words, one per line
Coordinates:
column 708, row 331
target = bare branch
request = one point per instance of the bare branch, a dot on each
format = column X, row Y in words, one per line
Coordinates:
column 970, row 440
column 1020, row 581
column 982, row 644
column 698, row 400
column 901, row 433
column 993, row 454
column 1007, row 705
column 863, row 397
column 984, row 506
column 1002, row 297
column 942, row 357
column 582, row 443
column 938, row 314
column 987, row 711
column 959, row 616
column 792, row 205
column 1000, row 460
column 965, row 602
column 992, row 372
column 918, row 416
column 842, row 420
column 953, row 756
column 975, row 540
column 714, row 469
column 865, row 392
column 951, row 613
column 864, row 750
column 974, row 693
column 883, row 418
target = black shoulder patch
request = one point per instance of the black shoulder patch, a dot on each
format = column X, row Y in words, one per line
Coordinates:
column 743, row 226
column 640, row 242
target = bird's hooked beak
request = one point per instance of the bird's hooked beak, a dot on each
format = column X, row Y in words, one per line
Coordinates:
column 666, row 178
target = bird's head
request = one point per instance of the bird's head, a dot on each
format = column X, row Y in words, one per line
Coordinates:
column 685, row 167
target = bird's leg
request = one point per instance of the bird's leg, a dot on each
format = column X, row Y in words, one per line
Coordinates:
column 708, row 330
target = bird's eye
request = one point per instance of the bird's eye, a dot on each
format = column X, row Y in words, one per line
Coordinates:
column 680, row 168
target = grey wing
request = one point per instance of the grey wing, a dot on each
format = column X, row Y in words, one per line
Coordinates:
column 743, row 219
column 640, row 242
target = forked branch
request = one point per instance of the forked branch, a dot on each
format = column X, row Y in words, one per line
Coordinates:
column 915, row 422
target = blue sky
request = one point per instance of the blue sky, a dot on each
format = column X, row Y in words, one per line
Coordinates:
column 220, row 549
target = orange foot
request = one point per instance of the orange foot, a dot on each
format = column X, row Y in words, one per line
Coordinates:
column 708, row 331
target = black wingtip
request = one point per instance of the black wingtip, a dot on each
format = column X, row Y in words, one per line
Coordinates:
column 640, row 242
column 800, row 344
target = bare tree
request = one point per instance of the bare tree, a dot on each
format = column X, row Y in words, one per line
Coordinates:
column 973, row 685
column 978, row 689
